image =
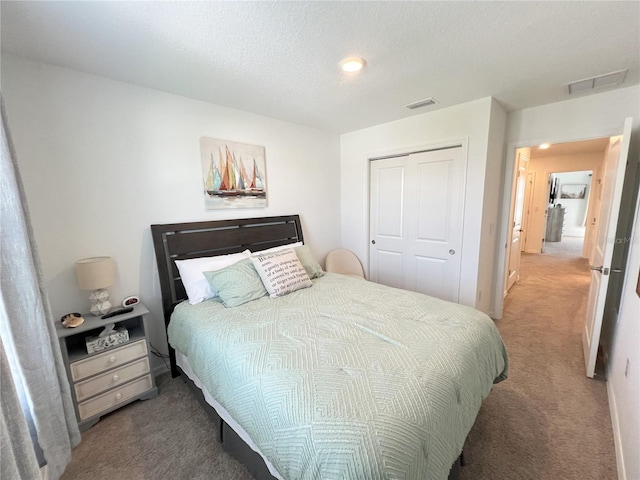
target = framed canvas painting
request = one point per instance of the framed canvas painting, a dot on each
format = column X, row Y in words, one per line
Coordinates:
column 573, row 191
column 233, row 174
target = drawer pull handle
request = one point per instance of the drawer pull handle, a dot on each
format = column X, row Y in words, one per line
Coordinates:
column 112, row 359
column 116, row 378
column 118, row 396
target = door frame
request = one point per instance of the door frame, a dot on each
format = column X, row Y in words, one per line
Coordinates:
column 512, row 216
column 507, row 205
column 530, row 186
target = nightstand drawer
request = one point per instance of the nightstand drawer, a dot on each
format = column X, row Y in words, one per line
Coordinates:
column 114, row 397
column 109, row 359
column 113, row 378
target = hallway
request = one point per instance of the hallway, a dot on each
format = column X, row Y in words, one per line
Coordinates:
column 567, row 247
column 547, row 420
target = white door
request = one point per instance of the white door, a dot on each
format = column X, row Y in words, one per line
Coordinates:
column 416, row 222
column 516, row 229
column 595, row 198
column 615, row 167
column 528, row 203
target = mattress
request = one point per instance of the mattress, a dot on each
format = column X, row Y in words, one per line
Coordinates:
column 346, row 379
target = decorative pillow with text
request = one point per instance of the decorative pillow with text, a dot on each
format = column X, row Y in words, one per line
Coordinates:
column 281, row 272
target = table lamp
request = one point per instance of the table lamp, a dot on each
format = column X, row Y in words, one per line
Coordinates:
column 96, row 274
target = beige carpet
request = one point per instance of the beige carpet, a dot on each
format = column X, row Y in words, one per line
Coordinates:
column 567, row 247
column 546, row 422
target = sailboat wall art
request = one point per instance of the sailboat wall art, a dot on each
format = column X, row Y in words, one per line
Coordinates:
column 233, row 174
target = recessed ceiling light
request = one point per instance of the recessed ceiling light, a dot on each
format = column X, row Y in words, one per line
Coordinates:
column 544, row 146
column 352, row 64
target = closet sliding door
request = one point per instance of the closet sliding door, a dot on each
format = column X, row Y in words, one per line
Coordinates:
column 416, row 210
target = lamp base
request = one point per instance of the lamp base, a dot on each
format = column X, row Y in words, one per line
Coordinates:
column 100, row 303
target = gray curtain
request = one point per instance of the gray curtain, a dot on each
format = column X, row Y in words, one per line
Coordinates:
column 18, row 459
column 29, row 340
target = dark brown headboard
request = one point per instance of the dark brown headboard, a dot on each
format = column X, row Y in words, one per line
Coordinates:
column 178, row 241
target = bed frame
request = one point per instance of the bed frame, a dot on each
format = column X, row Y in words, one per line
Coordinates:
column 178, row 241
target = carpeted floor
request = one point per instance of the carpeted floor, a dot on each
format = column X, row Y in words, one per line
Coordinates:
column 546, row 422
column 567, row 247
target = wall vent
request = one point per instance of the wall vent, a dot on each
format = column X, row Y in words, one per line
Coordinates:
column 422, row 103
column 605, row 80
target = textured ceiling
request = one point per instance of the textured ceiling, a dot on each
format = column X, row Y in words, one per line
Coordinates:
column 280, row 59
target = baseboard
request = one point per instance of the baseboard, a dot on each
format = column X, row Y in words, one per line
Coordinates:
column 616, row 433
column 159, row 370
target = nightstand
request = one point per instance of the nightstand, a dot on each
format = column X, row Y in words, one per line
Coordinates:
column 111, row 378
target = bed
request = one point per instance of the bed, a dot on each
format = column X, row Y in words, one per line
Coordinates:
column 343, row 379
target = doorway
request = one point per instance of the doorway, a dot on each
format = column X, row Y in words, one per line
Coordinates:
column 571, row 171
column 554, row 173
column 570, row 208
column 611, row 170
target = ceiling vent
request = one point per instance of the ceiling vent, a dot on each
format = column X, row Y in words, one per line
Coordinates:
column 606, row 80
column 422, row 103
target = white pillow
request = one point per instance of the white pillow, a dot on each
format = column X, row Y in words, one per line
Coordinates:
column 278, row 249
column 281, row 272
column 195, row 283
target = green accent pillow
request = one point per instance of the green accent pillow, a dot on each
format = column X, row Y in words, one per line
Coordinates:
column 313, row 268
column 236, row 284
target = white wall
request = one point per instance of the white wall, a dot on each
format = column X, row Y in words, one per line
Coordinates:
column 471, row 122
column 487, row 267
column 624, row 384
column 102, row 160
column 594, row 116
column 581, row 118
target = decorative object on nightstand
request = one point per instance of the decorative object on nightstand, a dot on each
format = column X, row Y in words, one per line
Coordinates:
column 130, row 301
column 109, row 371
column 107, row 338
column 72, row 320
column 96, row 274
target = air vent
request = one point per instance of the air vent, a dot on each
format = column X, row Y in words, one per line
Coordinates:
column 422, row 103
column 606, row 80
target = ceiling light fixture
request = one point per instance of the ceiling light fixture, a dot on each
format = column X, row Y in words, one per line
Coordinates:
column 544, row 146
column 352, row 64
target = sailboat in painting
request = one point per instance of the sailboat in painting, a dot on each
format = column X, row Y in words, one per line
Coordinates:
column 230, row 178
column 213, row 181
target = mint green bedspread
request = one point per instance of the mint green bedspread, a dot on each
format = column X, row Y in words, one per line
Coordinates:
column 347, row 379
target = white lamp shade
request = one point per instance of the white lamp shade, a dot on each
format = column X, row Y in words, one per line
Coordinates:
column 95, row 272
